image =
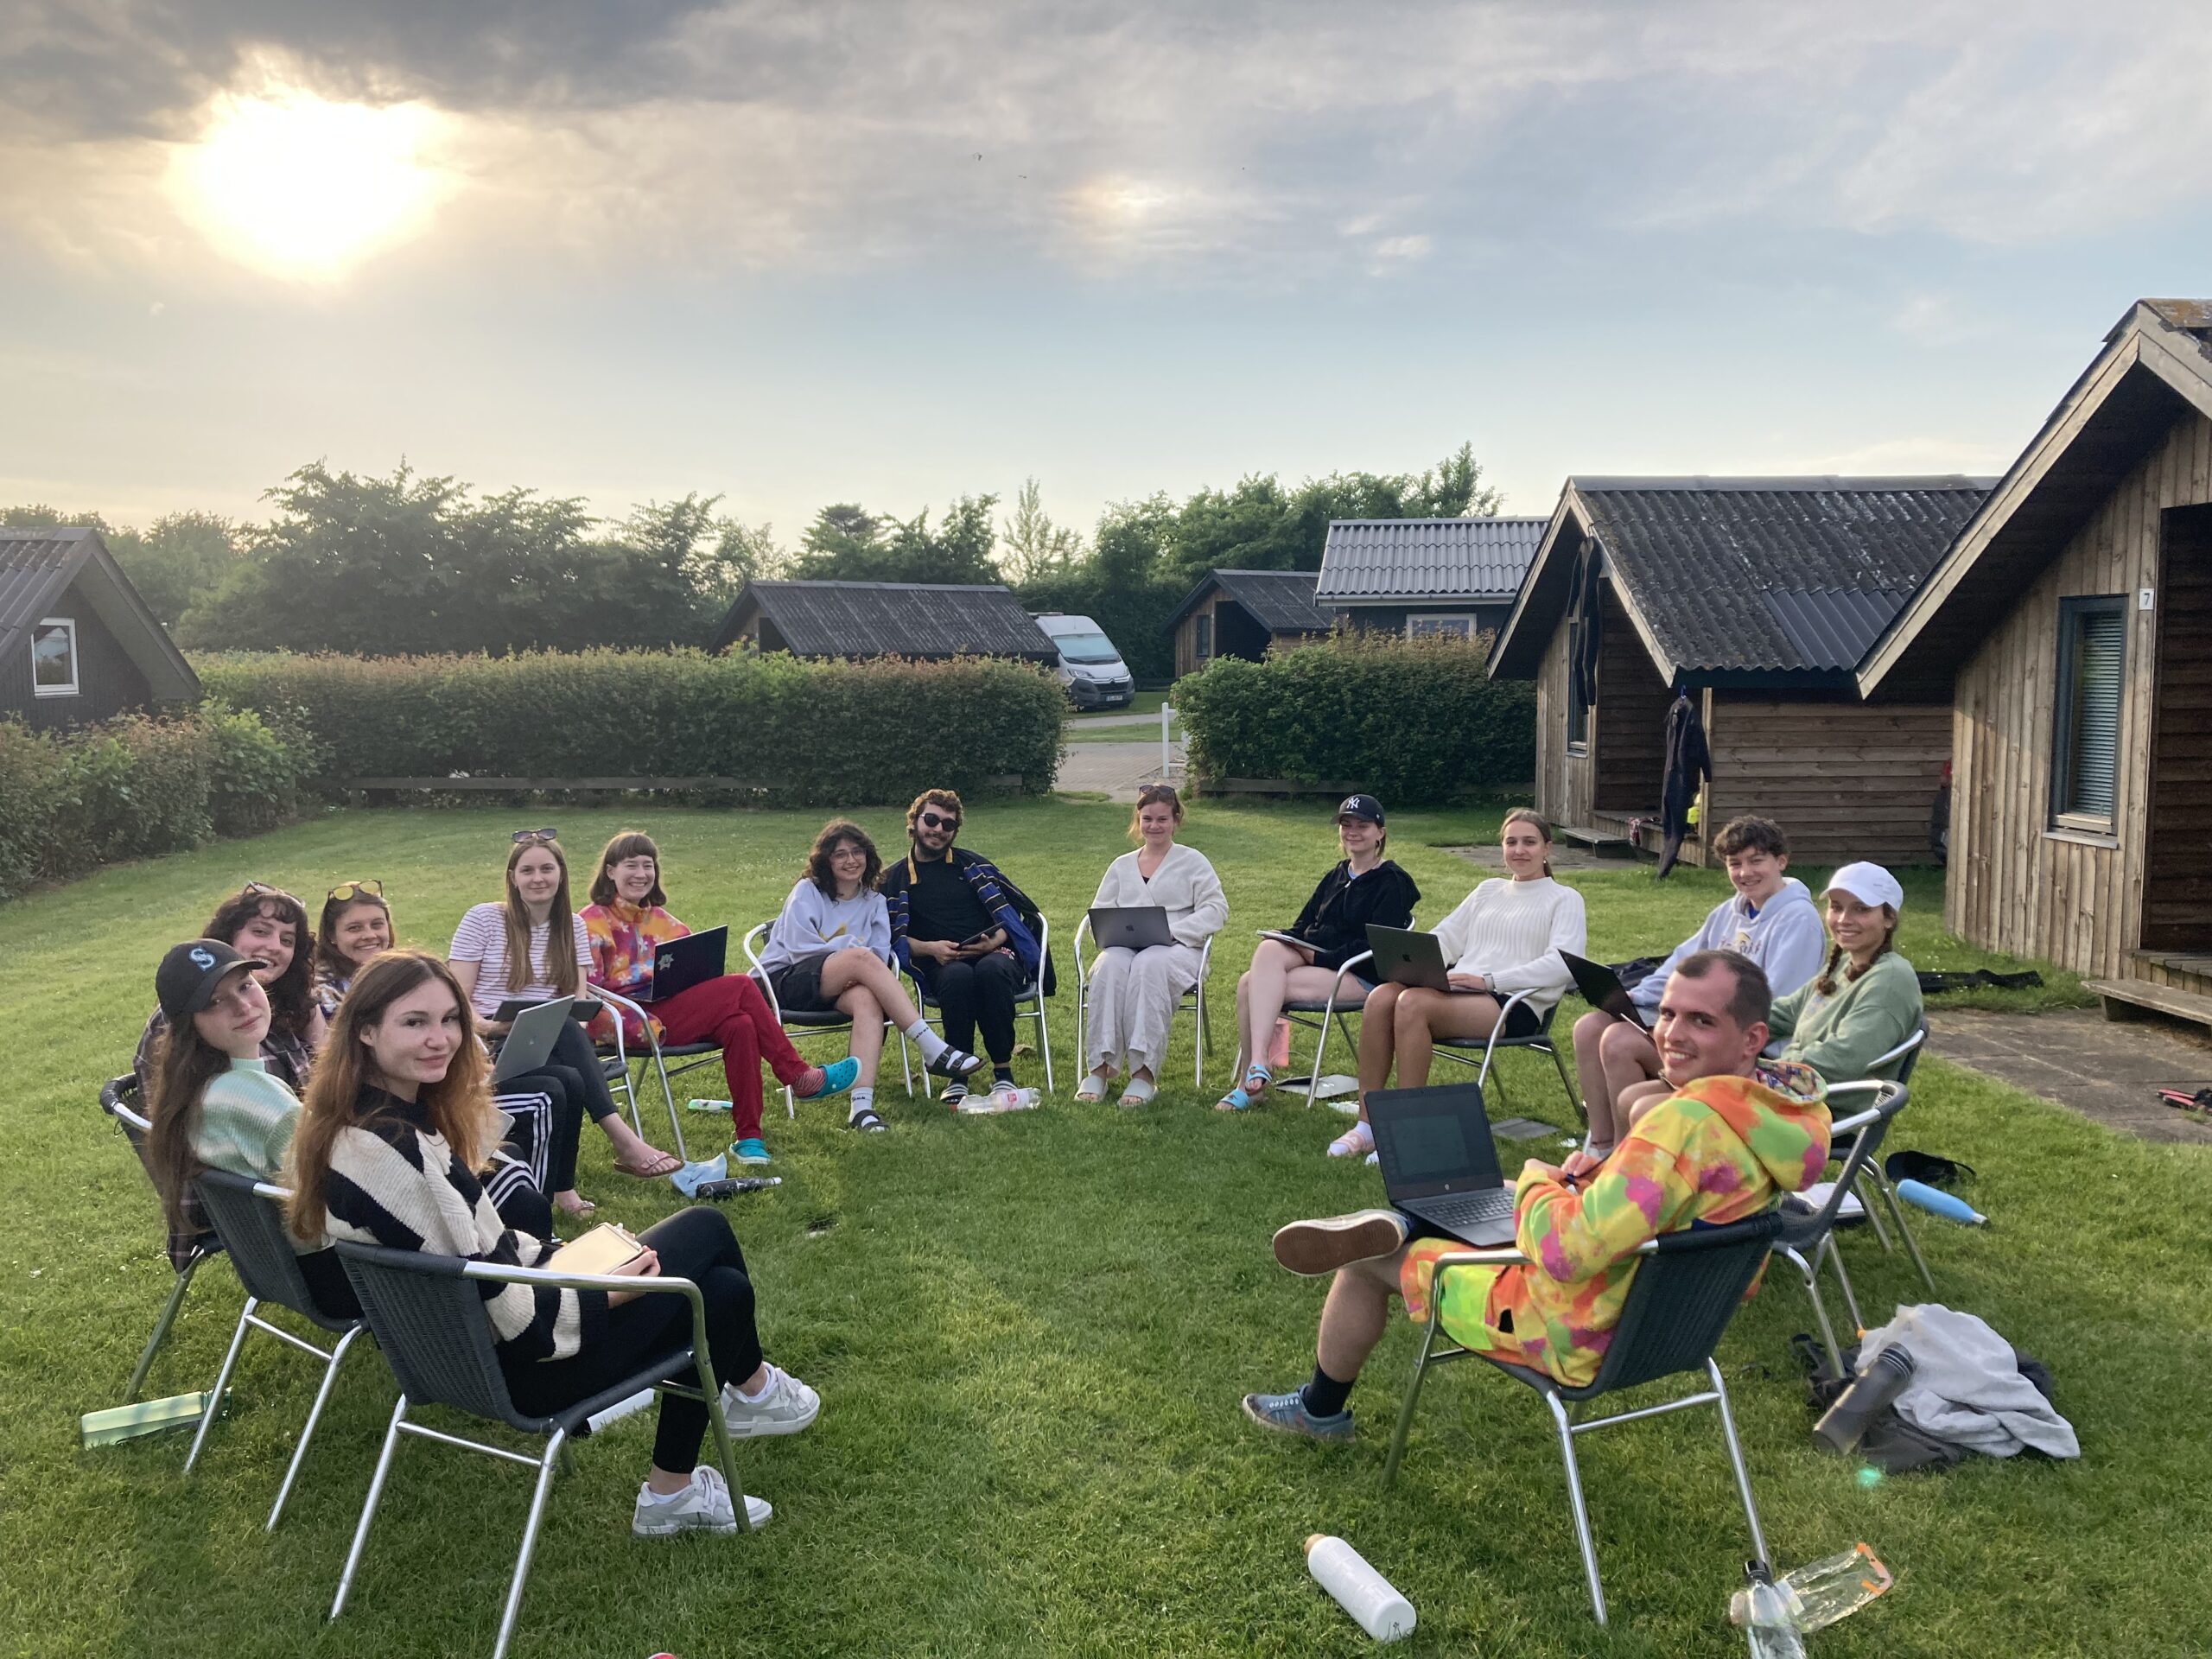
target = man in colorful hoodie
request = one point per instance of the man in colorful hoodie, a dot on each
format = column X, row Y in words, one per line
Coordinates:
column 1725, row 1145
column 1770, row 918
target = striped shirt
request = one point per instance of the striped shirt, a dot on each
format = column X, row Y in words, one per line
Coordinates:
column 482, row 938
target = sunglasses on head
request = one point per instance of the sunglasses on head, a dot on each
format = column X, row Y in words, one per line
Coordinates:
column 263, row 890
column 345, row 890
column 934, row 821
column 521, row 835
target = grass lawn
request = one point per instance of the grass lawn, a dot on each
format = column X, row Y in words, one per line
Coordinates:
column 1090, row 731
column 1030, row 1332
column 1143, row 702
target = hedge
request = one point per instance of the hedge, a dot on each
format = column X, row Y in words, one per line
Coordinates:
column 857, row 733
column 73, row 799
column 1418, row 721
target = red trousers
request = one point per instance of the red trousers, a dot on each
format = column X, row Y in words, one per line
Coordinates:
column 732, row 1012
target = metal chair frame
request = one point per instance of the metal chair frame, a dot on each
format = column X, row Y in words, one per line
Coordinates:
column 1625, row 1365
column 1193, row 1001
column 248, row 1218
column 1905, row 1056
column 802, row 1024
column 618, row 1072
column 1804, row 1230
column 1300, row 1012
column 1458, row 1050
column 1032, row 995
column 116, row 1095
column 559, row 1429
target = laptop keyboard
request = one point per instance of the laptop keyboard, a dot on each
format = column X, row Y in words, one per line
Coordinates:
column 1465, row 1209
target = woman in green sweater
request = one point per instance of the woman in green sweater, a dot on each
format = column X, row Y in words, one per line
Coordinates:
column 1865, row 1000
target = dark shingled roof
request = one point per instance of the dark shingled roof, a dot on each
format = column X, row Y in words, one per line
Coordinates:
column 37, row 566
column 1282, row 601
column 890, row 618
column 1386, row 561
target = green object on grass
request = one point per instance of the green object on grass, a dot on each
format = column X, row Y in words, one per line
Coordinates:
column 145, row 1417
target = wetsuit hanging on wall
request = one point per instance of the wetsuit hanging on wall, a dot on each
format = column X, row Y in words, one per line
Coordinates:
column 1582, row 659
column 1688, row 765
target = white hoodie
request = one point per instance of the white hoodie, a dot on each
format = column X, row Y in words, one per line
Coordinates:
column 1786, row 938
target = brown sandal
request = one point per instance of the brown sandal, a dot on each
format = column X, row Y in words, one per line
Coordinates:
column 664, row 1165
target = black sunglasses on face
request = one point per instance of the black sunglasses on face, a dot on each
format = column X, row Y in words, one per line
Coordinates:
column 931, row 821
column 521, row 835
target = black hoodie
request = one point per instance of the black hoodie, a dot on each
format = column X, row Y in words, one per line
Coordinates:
column 1334, row 921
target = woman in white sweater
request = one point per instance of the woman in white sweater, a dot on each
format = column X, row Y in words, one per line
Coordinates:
column 1131, row 997
column 1504, row 938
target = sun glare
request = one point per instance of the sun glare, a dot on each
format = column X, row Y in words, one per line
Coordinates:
column 303, row 187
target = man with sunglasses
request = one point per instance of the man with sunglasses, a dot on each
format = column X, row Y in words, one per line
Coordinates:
column 966, row 934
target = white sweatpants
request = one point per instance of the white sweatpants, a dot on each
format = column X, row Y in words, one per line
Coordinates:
column 1131, row 1003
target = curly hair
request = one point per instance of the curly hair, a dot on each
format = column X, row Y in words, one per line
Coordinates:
column 944, row 798
column 818, row 868
column 291, row 994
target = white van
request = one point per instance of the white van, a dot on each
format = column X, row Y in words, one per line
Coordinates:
column 1091, row 669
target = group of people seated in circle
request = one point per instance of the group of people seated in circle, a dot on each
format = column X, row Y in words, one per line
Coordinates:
column 356, row 1074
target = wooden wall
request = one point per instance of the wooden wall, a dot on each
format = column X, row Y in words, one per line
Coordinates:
column 1563, row 780
column 2177, row 831
column 1186, row 638
column 1844, row 779
column 108, row 681
column 1629, row 726
column 2015, row 884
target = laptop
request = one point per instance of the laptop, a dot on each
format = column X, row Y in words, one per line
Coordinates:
column 1405, row 957
column 530, row 1039
column 1138, row 927
column 1438, row 1164
column 679, row 965
column 1602, row 989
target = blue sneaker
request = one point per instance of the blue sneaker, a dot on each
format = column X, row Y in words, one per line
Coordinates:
column 751, row 1150
column 835, row 1079
column 1286, row 1413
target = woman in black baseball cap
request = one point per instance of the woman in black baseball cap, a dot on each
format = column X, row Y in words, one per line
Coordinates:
column 1299, row 963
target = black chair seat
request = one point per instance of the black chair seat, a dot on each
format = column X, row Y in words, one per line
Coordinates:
column 817, row 1019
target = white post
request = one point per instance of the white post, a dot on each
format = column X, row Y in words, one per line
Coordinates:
column 1166, row 715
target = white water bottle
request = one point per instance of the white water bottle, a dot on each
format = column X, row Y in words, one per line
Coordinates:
column 1358, row 1588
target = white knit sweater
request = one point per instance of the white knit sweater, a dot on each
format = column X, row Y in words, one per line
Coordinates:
column 1512, row 933
column 1184, row 886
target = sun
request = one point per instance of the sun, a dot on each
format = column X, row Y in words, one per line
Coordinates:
column 301, row 187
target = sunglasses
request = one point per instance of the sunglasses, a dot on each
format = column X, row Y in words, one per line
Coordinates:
column 931, row 821
column 263, row 890
column 521, row 835
column 345, row 890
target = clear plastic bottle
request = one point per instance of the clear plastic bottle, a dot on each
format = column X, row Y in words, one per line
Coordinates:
column 1836, row 1586
column 1769, row 1623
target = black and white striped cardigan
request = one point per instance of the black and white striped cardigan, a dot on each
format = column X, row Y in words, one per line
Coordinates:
column 394, row 1182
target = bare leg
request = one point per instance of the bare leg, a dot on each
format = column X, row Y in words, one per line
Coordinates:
column 847, row 968
column 1355, row 1315
column 859, row 1005
column 1589, row 1073
column 1261, row 994
column 1376, row 1046
column 1638, row 1098
column 1422, row 1016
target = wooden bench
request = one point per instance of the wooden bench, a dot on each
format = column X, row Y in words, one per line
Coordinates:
column 2128, row 999
column 1604, row 842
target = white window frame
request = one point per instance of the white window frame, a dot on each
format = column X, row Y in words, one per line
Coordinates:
column 1474, row 626
column 75, row 673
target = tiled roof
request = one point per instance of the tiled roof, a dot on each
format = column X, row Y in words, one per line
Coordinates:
column 35, row 567
column 892, row 618
column 1282, row 601
column 1774, row 574
column 1378, row 560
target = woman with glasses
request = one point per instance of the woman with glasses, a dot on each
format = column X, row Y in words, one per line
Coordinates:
column 627, row 922
column 532, row 947
column 271, row 925
column 830, row 948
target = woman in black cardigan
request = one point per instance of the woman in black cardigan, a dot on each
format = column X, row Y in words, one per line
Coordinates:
column 1363, row 888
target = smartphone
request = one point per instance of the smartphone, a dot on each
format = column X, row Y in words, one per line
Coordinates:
column 974, row 940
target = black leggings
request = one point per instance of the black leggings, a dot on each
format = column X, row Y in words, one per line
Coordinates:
column 969, row 994
column 544, row 1135
column 695, row 1244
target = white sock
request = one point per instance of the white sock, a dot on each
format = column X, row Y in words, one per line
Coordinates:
column 864, row 1099
column 932, row 1043
column 652, row 1496
column 754, row 1396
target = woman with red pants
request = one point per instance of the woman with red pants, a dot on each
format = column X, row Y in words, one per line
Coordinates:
column 626, row 923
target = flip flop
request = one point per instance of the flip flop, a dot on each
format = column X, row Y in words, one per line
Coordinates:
column 1138, row 1093
column 1092, row 1090
column 866, row 1121
column 580, row 1210
column 664, row 1163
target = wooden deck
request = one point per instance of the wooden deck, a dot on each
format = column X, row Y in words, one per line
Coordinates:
column 2128, row 999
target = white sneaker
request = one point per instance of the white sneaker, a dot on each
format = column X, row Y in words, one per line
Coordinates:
column 1006, row 1098
column 703, row 1506
column 788, row 1407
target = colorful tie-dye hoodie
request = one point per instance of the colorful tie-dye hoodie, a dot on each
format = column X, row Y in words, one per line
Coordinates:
column 1719, row 1150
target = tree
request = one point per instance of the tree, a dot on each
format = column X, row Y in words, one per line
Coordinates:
column 184, row 555
column 847, row 543
column 1035, row 548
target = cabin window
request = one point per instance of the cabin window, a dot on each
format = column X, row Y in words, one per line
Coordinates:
column 1203, row 635
column 1441, row 626
column 2084, row 754
column 53, row 657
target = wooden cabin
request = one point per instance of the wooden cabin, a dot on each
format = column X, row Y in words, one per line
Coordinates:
column 923, row 620
column 2071, row 625
column 1419, row 576
column 1758, row 596
column 77, row 642
column 1242, row 612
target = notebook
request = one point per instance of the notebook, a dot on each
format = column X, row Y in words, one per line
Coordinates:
column 607, row 1248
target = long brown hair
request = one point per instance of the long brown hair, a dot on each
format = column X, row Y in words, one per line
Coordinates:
column 459, row 1105
column 820, row 871
column 1825, row 984
column 333, row 965
column 1535, row 820
column 291, row 994
column 630, row 843
column 560, row 931
column 185, row 1063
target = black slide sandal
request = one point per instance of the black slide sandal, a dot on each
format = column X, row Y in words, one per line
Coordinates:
column 866, row 1121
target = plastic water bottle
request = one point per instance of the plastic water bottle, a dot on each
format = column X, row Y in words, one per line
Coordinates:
column 1370, row 1598
column 1844, row 1424
column 1820, row 1593
column 1769, row 1625
column 1937, row 1201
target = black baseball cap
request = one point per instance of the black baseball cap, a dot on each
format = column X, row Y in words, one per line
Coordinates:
column 185, row 982
column 1361, row 806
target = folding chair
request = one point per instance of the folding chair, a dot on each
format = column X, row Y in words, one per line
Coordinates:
column 1460, row 1049
column 426, row 1313
column 187, row 1250
column 1807, row 1228
column 1032, row 995
column 799, row 1023
column 1686, row 1291
column 618, row 1080
column 1316, row 1014
column 1904, row 1057
column 1193, row 1001
column 250, row 1219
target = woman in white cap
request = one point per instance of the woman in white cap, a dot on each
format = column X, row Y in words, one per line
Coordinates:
column 1865, row 1000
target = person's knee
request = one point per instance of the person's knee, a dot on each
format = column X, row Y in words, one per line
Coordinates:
column 859, row 1003
column 1623, row 1042
column 1590, row 1031
column 1409, row 1014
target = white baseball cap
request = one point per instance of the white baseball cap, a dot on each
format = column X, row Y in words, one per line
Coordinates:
column 1870, row 884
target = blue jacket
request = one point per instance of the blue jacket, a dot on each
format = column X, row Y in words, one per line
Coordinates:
column 1003, row 902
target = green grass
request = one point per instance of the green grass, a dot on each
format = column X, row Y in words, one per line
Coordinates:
column 1144, row 702
column 1075, row 732
column 1030, row 1332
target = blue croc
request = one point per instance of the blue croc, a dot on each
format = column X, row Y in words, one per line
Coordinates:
column 1286, row 1413
column 836, row 1078
column 751, row 1150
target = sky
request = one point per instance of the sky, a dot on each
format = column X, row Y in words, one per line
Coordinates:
column 798, row 253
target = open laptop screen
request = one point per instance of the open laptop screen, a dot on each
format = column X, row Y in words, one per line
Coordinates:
column 1431, row 1140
